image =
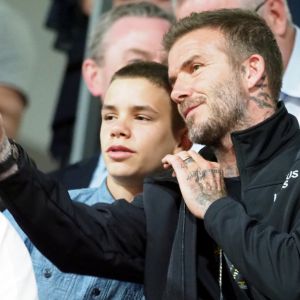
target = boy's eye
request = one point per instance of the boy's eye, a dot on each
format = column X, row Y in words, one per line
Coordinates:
column 108, row 117
column 142, row 118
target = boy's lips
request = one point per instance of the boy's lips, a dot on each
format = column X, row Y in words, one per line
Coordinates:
column 119, row 152
column 119, row 148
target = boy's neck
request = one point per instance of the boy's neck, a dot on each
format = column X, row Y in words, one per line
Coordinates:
column 121, row 188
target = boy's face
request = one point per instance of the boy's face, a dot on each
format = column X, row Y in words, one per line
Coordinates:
column 136, row 131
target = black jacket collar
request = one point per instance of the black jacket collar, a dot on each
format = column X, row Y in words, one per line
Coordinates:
column 259, row 143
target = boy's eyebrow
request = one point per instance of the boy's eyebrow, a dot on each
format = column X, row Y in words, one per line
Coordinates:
column 108, row 107
column 133, row 108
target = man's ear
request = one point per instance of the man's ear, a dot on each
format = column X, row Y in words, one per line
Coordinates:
column 91, row 73
column 184, row 143
column 275, row 14
column 253, row 71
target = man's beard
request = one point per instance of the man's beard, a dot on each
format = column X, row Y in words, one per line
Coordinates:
column 227, row 112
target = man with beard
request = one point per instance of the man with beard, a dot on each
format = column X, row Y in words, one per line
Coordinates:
column 236, row 235
column 277, row 15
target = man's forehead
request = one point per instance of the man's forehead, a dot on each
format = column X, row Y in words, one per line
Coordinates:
column 138, row 36
column 186, row 7
column 212, row 4
column 199, row 43
column 145, row 24
column 199, row 38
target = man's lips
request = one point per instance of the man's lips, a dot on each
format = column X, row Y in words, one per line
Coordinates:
column 189, row 109
column 119, row 152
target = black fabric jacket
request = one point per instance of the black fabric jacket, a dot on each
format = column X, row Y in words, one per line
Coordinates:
column 156, row 233
column 78, row 175
column 261, row 235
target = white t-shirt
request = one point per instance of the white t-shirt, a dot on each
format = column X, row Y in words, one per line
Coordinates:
column 17, row 281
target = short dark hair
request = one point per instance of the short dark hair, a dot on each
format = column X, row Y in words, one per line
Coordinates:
column 245, row 34
column 157, row 74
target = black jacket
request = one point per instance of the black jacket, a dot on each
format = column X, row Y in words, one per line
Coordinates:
column 78, row 175
column 156, row 233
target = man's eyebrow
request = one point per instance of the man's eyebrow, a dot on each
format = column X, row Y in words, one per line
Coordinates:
column 183, row 66
column 187, row 62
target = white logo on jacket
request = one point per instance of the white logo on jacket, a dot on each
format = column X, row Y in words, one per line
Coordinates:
column 291, row 174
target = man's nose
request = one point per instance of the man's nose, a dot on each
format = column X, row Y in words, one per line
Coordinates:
column 181, row 90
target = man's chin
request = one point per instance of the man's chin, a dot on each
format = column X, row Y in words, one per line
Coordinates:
column 205, row 138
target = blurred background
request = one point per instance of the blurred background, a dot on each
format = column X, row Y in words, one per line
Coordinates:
column 49, row 64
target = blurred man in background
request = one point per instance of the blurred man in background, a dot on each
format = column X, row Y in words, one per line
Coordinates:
column 164, row 4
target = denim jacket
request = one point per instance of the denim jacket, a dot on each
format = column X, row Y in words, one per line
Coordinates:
column 56, row 285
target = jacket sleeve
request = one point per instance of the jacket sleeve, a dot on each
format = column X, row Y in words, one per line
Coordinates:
column 268, row 258
column 100, row 240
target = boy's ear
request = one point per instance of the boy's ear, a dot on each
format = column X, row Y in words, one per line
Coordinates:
column 184, row 143
column 91, row 73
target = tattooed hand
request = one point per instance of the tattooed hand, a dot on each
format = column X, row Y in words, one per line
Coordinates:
column 5, row 152
column 2, row 130
column 4, row 143
column 201, row 182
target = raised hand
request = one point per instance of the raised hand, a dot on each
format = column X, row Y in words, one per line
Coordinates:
column 3, row 136
column 8, row 156
column 4, row 143
column 201, row 181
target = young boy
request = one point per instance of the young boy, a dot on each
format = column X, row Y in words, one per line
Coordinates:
column 140, row 125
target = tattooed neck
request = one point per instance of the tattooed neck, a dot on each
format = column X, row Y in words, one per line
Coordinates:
column 263, row 98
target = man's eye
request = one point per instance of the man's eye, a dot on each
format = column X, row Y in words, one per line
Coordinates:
column 196, row 67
